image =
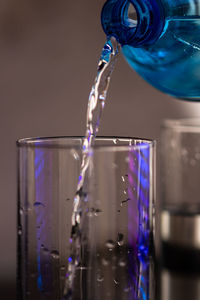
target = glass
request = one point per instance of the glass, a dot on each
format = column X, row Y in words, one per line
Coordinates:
column 180, row 173
column 117, row 232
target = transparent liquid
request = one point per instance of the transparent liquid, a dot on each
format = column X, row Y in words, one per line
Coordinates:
column 171, row 64
column 96, row 104
column 180, row 236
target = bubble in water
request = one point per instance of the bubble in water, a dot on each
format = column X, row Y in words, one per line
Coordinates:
column 110, row 245
column 55, row 254
column 120, row 239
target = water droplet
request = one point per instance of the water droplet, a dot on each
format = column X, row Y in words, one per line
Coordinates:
column 184, row 152
column 38, row 204
column 91, row 212
column 75, row 154
column 114, row 166
column 125, row 201
column 115, row 141
column 120, row 238
column 97, row 212
column 127, row 289
column 116, row 281
column 122, row 263
column 55, row 254
column 100, row 278
column 62, row 268
column 110, row 245
column 104, row 262
column 94, row 212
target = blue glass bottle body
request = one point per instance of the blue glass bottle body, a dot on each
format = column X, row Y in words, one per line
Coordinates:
column 168, row 59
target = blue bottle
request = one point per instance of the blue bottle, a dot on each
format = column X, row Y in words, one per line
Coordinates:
column 161, row 40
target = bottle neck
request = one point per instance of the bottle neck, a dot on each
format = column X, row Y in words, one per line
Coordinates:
column 133, row 22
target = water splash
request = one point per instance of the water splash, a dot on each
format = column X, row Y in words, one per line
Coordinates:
column 96, row 104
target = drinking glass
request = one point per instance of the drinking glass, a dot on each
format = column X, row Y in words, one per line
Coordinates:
column 116, row 236
column 180, row 173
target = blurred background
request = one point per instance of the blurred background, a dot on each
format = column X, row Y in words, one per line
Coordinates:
column 48, row 56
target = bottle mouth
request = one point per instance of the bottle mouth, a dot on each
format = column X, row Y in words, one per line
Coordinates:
column 130, row 16
column 133, row 22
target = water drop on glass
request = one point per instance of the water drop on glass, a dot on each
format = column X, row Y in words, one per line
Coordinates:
column 116, row 281
column 75, row 154
column 104, row 262
column 127, row 289
column 122, row 263
column 55, row 254
column 120, row 239
column 110, row 245
column 100, row 278
column 115, row 141
column 97, row 212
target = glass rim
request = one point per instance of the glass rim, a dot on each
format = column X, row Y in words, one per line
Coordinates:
column 183, row 124
column 76, row 141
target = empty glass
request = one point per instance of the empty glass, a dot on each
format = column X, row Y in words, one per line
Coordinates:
column 118, row 212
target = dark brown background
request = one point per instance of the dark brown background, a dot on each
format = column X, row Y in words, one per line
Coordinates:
column 48, row 56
